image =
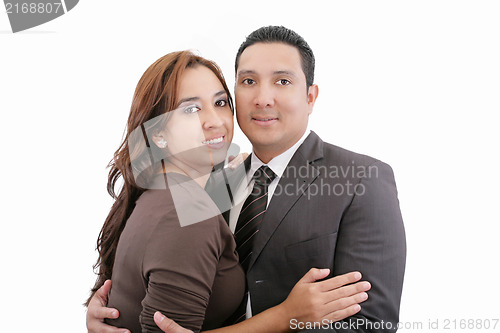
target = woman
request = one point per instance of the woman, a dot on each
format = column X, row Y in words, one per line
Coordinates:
column 157, row 258
column 164, row 243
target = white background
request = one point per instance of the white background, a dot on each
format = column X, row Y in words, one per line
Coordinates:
column 413, row 83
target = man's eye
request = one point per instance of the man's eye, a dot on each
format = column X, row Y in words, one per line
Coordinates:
column 221, row 103
column 248, row 81
column 191, row 109
column 283, row 82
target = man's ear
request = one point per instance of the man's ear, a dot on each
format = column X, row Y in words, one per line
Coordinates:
column 312, row 95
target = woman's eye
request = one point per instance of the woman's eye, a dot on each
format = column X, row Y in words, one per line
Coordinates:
column 191, row 109
column 283, row 82
column 248, row 81
column 221, row 103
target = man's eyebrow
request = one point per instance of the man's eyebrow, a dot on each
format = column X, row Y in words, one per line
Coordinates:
column 246, row 72
column 289, row 73
column 280, row 72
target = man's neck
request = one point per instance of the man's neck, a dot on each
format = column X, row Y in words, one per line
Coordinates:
column 267, row 153
column 266, row 156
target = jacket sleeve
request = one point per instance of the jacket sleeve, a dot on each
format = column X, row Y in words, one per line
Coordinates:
column 372, row 240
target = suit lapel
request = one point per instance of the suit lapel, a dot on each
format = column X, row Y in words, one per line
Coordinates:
column 298, row 176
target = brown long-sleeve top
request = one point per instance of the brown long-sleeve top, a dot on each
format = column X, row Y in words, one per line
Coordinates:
column 176, row 255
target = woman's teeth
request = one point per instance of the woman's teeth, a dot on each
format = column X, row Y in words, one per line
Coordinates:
column 213, row 141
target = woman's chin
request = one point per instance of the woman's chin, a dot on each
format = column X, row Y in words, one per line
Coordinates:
column 218, row 156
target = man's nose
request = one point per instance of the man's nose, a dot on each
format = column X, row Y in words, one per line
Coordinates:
column 264, row 97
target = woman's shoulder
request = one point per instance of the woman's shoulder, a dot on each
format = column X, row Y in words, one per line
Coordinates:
column 192, row 203
column 190, row 236
column 182, row 204
column 172, row 191
column 154, row 204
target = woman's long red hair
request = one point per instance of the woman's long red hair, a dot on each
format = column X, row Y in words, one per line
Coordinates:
column 156, row 93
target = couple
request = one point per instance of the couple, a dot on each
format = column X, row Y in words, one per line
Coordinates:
column 288, row 212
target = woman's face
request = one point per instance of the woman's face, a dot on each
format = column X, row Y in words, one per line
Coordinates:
column 200, row 129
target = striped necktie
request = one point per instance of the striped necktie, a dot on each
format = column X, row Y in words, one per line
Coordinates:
column 252, row 214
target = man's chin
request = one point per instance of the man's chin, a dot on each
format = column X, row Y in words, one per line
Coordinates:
column 264, row 140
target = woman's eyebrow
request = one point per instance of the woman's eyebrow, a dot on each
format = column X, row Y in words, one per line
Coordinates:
column 188, row 99
column 196, row 98
column 220, row 93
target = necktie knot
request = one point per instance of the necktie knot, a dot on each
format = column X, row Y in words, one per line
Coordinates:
column 264, row 176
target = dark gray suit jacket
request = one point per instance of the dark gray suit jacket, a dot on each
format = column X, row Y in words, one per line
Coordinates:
column 332, row 209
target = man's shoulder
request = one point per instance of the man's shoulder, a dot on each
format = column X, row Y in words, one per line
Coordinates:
column 335, row 162
column 332, row 154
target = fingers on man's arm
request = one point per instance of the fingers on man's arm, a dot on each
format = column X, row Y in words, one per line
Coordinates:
column 345, row 301
column 314, row 274
column 339, row 281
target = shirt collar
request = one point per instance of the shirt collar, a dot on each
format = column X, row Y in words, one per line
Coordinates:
column 279, row 163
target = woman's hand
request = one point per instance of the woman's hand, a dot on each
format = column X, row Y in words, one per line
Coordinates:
column 327, row 301
column 309, row 302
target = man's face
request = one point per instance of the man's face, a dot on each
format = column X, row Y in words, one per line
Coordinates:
column 272, row 102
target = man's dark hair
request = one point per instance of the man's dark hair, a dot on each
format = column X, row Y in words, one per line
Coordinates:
column 280, row 34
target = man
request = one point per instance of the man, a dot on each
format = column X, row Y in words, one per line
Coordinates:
column 327, row 207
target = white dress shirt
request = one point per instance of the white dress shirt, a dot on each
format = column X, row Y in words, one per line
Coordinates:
column 278, row 165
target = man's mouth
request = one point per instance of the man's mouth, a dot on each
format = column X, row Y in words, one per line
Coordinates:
column 264, row 120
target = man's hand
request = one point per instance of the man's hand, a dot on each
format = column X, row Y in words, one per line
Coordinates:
column 97, row 312
column 168, row 325
column 334, row 299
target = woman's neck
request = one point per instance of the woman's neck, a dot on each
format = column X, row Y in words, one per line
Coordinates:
column 199, row 176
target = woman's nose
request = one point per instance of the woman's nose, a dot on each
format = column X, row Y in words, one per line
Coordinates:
column 211, row 118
